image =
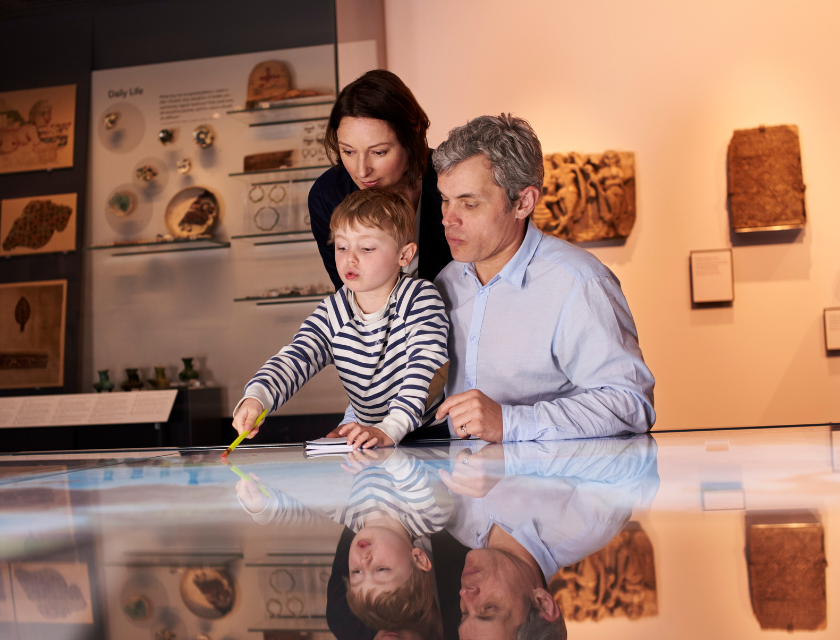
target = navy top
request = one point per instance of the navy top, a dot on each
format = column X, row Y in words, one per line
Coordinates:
column 335, row 184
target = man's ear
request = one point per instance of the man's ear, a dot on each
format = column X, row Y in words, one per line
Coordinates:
column 421, row 560
column 548, row 607
column 528, row 198
column 407, row 253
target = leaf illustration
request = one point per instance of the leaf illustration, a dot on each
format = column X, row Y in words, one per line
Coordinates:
column 22, row 312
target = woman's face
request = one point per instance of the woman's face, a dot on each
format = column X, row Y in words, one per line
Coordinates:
column 371, row 153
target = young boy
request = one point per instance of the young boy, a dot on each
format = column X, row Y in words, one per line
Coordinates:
column 395, row 504
column 385, row 332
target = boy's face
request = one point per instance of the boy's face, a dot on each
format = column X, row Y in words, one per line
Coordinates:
column 381, row 560
column 369, row 260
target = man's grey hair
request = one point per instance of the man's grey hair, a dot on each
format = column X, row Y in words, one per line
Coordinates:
column 535, row 627
column 510, row 145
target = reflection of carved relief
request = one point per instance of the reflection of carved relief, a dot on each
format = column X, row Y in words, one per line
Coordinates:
column 618, row 580
column 787, row 576
column 588, row 197
column 766, row 191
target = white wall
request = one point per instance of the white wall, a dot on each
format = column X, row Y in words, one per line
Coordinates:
column 670, row 81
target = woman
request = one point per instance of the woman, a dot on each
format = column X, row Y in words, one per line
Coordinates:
column 376, row 135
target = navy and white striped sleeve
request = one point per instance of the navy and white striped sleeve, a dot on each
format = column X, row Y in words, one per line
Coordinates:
column 427, row 331
column 284, row 374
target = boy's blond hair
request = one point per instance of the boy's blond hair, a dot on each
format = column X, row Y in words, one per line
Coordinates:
column 410, row 606
column 385, row 208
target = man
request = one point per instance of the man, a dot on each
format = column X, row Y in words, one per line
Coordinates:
column 542, row 343
column 501, row 492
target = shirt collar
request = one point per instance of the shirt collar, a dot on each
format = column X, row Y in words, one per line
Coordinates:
column 514, row 271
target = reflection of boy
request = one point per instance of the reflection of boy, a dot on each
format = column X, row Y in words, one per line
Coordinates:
column 385, row 333
column 393, row 509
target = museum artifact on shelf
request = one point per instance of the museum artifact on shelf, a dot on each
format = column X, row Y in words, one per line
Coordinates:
column 787, row 575
column 183, row 166
column 766, row 189
column 189, row 375
column 267, row 161
column 712, row 278
column 104, row 383
column 203, row 136
column 271, row 81
column 133, row 382
column 192, row 212
column 160, row 380
column 618, row 580
column 588, row 197
column 38, row 225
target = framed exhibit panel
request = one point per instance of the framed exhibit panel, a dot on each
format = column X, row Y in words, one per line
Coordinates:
column 831, row 319
column 36, row 128
column 712, row 278
column 43, row 224
column 32, row 347
column 52, row 592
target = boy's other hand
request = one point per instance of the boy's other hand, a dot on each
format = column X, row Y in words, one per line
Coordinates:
column 475, row 474
column 364, row 437
column 250, row 494
column 246, row 416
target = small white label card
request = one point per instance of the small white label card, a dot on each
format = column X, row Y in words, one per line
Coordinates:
column 711, row 276
column 832, row 329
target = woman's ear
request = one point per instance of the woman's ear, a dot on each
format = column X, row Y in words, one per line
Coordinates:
column 421, row 560
column 548, row 607
column 407, row 253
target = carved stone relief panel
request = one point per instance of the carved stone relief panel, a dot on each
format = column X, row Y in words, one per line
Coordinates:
column 617, row 581
column 588, row 197
column 766, row 190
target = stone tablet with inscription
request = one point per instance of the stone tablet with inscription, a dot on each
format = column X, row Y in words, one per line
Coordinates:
column 766, row 191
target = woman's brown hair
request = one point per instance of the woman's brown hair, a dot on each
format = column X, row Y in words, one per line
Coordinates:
column 381, row 95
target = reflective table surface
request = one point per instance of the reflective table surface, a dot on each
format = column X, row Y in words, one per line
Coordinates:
column 721, row 534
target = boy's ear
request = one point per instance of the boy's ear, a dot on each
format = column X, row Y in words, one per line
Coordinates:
column 407, row 253
column 421, row 560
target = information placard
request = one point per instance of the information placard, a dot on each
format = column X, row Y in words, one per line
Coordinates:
column 831, row 318
column 86, row 408
column 711, row 276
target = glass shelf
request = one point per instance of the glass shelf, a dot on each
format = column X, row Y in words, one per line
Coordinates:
column 282, row 235
column 167, row 246
column 286, row 298
column 285, row 112
column 281, row 175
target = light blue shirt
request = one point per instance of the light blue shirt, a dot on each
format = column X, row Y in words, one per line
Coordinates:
column 552, row 340
column 592, row 487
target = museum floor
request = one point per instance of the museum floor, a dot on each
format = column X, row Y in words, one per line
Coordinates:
column 685, row 534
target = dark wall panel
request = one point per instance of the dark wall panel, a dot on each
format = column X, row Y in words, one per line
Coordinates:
column 43, row 52
column 187, row 29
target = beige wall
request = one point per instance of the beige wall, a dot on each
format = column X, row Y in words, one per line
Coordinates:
column 670, row 81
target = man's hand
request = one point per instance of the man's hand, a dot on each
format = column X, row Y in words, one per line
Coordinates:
column 246, row 416
column 473, row 414
column 365, row 437
column 250, row 494
column 475, row 474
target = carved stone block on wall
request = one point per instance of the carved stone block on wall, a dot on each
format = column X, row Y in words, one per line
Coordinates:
column 766, row 191
column 618, row 580
column 588, row 197
column 787, row 576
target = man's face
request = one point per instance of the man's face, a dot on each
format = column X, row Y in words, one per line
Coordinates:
column 495, row 592
column 479, row 222
column 380, row 561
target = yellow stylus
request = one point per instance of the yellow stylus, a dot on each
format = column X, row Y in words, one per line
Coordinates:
column 234, row 468
column 242, row 435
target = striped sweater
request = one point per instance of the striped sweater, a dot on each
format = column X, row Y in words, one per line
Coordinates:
column 392, row 363
column 402, row 487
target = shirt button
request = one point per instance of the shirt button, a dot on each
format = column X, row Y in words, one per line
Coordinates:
column 473, row 339
column 482, row 292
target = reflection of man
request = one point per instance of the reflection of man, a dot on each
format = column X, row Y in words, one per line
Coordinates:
column 542, row 343
column 501, row 494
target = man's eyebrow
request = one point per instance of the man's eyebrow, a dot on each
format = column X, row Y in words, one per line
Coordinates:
column 463, row 195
